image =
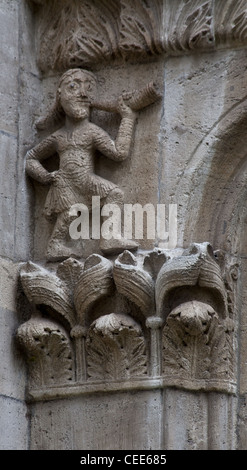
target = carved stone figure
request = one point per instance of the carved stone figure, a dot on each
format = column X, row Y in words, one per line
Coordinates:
column 78, row 139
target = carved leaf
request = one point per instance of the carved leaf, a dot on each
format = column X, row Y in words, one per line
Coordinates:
column 230, row 21
column 94, row 283
column 222, row 354
column 187, row 24
column 196, row 267
column 169, row 26
column 134, row 283
column 80, row 33
column 115, row 349
column 44, row 288
column 184, row 356
column 69, row 271
column 174, row 273
column 154, row 261
column 141, row 26
column 197, row 350
column 49, row 352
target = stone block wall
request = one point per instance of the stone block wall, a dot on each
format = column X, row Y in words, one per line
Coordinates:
column 17, row 77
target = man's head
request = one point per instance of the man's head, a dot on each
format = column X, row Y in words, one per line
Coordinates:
column 76, row 90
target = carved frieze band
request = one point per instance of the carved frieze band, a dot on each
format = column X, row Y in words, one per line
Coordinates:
column 135, row 318
column 79, row 33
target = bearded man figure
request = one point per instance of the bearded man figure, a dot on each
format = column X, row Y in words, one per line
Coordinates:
column 75, row 143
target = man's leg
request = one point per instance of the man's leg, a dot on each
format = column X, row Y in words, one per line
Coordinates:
column 116, row 245
column 57, row 248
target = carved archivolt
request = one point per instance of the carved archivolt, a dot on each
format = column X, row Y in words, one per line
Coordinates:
column 74, row 33
column 151, row 316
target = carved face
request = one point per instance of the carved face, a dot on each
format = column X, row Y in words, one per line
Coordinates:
column 76, row 91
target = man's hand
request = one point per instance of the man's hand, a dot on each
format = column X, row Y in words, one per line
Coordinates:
column 124, row 110
column 50, row 177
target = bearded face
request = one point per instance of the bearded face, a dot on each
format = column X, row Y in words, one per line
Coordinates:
column 76, row 93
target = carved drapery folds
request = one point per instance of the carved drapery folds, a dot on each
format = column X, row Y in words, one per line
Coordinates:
column 155, row 316
column 75, row 33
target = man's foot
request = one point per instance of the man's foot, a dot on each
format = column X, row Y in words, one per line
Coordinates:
column 56, row 251
column 113, row 246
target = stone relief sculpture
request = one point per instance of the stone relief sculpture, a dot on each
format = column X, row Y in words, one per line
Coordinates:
column 116, row 349
column 76, row 181
column 197, row 339
column 124, row 28
column 49, row 352
column 159, row 316
column 162, row 318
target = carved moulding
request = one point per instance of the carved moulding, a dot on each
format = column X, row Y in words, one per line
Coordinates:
column 152, row 320
column 76, row 33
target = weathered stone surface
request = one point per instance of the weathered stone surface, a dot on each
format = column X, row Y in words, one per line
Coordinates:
column 9, row 275
column 204, row 125
column 9, row 67
column 144, row 349
column 129, row 421
column 14, row 229
column 191, row 421
column 134, row 29
column 14, row 423
column 13, row 377
column 75, row 183
column 116, row 349
column 113, row 346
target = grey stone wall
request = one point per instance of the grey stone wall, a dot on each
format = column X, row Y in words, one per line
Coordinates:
column 17, row 77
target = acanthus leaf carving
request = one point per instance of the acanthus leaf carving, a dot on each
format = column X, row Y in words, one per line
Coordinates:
column 116, row 348
column 81, row 33
column 49, row 352
column 173, row 317
column 230, row 21
column 198, row 335
column 196, row 267
column 69, row 271
column 197, row 347
column 154, row 261
column 133, row 282
column 94, row 283
column 45, row 288
column 141, row 27
column 189, row 25
column 84, row 33
column 165, row 26
column 230, row 271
